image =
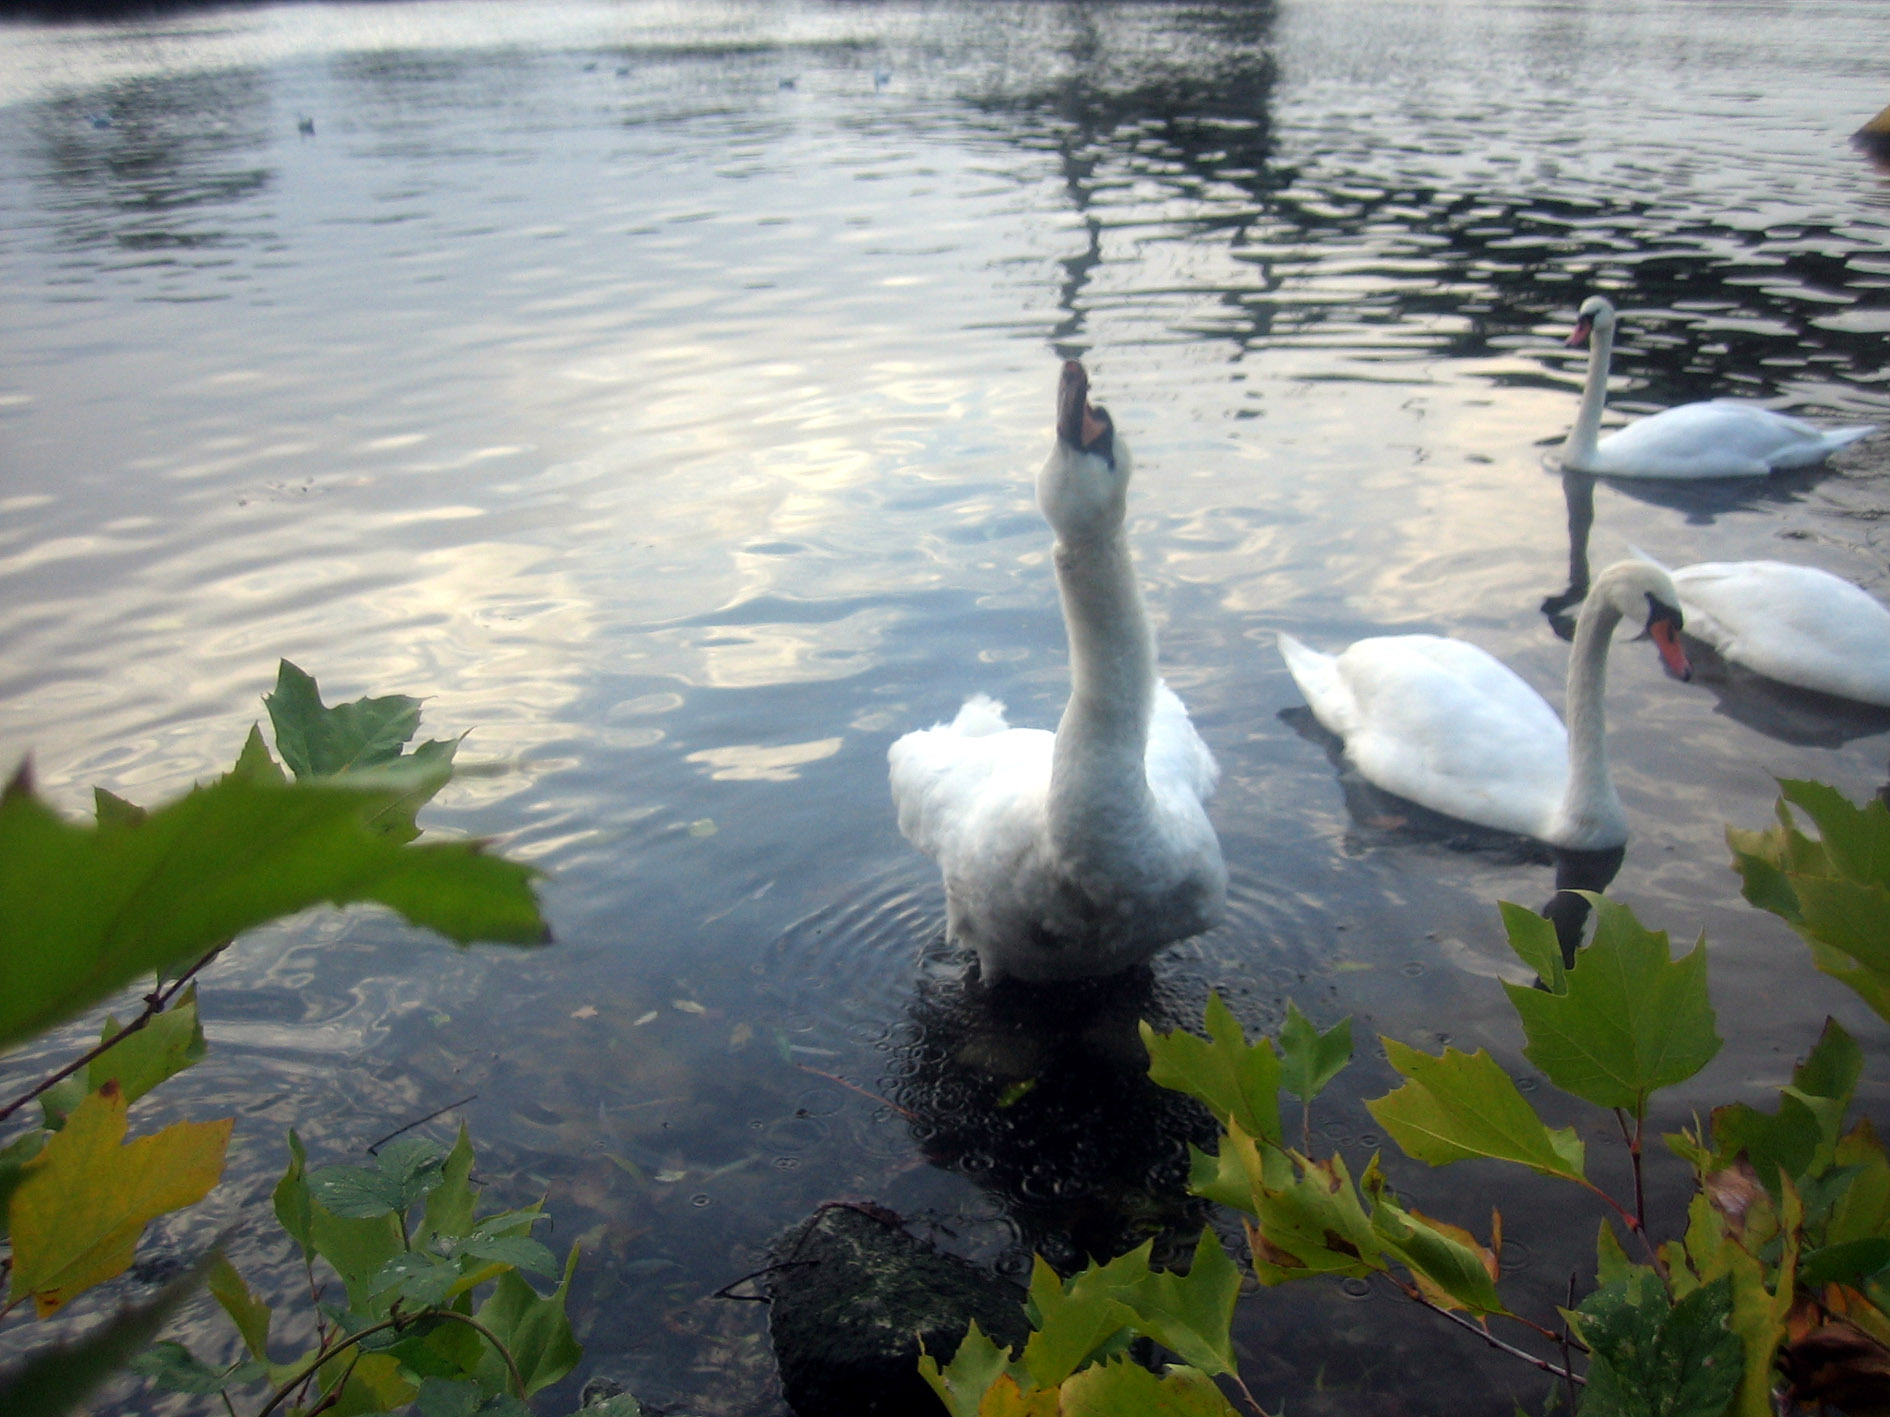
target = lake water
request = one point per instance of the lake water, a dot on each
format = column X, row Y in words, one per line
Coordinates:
column 656, row 389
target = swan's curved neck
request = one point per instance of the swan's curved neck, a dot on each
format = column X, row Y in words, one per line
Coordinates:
column 1580, row 447
column 1590, row 806
column 1103, row 736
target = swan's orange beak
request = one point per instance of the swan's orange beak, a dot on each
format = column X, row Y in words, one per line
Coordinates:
column 1579, row 336
column 1667, row 641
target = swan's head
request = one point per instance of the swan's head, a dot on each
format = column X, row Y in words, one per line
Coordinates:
column 1596, row 314
column 1083, row 488
column 1644, row 594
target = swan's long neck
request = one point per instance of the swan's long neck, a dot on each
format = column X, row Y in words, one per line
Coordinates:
column 1590, row 813
column 1097, row 775
column 1580, row 447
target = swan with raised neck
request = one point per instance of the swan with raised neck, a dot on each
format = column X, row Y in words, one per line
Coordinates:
column 1078, row 853
column 1713, row 438
column 1446, row 725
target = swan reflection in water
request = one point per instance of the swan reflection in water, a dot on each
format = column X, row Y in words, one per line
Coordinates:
column 1041, row 1096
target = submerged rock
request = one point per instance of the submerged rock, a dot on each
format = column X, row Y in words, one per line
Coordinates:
column 852, row 1295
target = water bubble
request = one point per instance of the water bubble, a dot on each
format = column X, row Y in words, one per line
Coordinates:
column 698, row 1200
column 1355, row 1286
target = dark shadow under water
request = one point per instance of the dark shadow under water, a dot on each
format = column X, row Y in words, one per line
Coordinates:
column 1040, row 1094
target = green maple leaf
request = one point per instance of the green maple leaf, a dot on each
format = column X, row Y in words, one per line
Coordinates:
column 1629, row 1019
column 1463, row 1106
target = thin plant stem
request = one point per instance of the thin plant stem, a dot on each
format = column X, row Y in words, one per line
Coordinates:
column 422, row 1121
column 154, row 1004
column 1252, row 1401
column 855, row 1087
column 1531, row 1359
column 1568, row 1364
column 398, row 1321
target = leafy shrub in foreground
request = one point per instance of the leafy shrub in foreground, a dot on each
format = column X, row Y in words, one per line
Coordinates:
column 1777, row 1292
column 86, row 909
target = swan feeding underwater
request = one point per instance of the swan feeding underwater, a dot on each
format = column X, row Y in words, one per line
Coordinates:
column 1444, row 724
column 1795, row 624
column 1717, row 438
column 1078, row 853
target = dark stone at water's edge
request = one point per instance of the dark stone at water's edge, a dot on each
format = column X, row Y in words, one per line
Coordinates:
column 852, row 1295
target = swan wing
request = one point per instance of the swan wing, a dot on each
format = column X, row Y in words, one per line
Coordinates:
column 1177, row 761
column 1796, row 624
column 1444, row 724
column 971, row 793
column 1717, row 438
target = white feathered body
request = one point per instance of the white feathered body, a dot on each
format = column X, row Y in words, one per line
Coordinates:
column 1441, row 723
column 1717, row 438
column 1796, row 624
column 1089, row 897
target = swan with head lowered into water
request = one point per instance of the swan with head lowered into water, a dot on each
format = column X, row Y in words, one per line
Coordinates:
column 1796, row 624
column 1441, row 723
column 1078, row 853
column 1716, row 438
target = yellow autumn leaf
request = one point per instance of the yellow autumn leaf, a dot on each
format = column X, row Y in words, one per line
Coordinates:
column 82, row 1203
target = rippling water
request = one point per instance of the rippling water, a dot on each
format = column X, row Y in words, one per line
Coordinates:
column 656, row 389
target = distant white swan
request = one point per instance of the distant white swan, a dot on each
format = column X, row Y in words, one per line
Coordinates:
column 1080, row 852
column 1795, row 624
column 1443, row 724
column 1719, row 438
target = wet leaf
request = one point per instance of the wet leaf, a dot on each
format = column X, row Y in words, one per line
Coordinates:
column 1801, row 1138
column 1629, row 1019
column 145, row 1057
column 1310, row 1059
column 446, row 1397
column 1835, row 891
column 1533, row 939
column 518, row 1251
column 174, row 1368
column 533, row 1327
column 86, row 909
column 249, row 1314
column 1191, row 1314
column 1838, row 1364
column 82, row 1203
column 292, row 1201
column 1448, row 1263
column 1652, row 1359
column 1074, row 1326
column 405, row 1170
column 1233, row 1078
column 317, row 741
column 449, row 1208
column 974, row 1369
column 1120, row 1388
column 1313, row 1225
column 1461, row 1106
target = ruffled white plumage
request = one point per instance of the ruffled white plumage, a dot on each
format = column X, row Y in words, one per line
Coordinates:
column 1081, row 852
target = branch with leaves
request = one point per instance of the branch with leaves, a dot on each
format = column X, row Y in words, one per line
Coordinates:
column 86, row 909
